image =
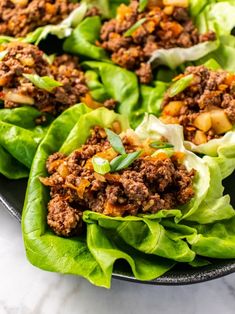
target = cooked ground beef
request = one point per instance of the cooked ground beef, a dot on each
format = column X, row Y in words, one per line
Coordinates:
column 149, row 184
column 206, row 108
column 18, row 19
column 17, row 90
column 165, row 27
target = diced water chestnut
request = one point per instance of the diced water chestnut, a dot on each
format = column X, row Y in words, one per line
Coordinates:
column 177, row 3
column 200, row 138
column 203, row 121
column 220, row 121
column 173, row 108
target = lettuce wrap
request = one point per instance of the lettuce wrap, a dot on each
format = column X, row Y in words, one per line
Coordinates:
column 207, row 17
column 64, row 29
column 151, row 244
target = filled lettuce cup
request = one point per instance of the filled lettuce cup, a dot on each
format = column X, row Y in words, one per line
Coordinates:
column 32, row 21
column 146, row 34
column 99, row 192
column 202, row 101
column 35, row 88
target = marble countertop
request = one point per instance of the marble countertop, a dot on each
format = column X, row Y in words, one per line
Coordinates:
column 25, row 289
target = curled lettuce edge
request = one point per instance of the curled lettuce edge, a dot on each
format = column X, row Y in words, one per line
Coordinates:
column 10, row 167
column 20, row 136
column 176, row 56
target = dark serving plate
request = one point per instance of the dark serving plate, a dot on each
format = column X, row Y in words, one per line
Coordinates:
column 12, row 196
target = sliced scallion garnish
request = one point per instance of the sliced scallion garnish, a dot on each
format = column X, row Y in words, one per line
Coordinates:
column 168, row 151
column 123, row 161
column 142, row 5
column 134, row 27
column 100, row 165
column 43, row 82
column 115, row 141
column 180, row 85
column 160, row 145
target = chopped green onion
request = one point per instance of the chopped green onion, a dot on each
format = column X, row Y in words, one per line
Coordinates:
column 49, row 58
column 116, row 162
column 142, row 5
column 115, row 141
column 123, row 161
column 8, row 39
column 134, row 27
column 3, row 54
column 168, row 151
column 100, row 165
column 180, row 85
column 43, row 82
column 158, row 145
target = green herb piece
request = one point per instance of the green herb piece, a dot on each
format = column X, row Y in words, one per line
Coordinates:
column 180, row 85
column 49, row 58
column 168, row 151
column 134, row 27
column 159, row 144
column 124, row 161
column 43, row 82
column 114, row 164
column 100, row 165
column 142, row 5
column 115, row 141
column 3, row 54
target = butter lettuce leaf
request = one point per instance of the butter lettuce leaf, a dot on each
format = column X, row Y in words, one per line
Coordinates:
column 19, row 139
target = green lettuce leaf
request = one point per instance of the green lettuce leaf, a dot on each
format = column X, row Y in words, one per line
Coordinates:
column 149, row 101
column 10, row 167
column 19, row 138
column 119, row 84
column 216, row 15
column 145, row 235
column 176, row 56
column 83, row 38
column 214, row 240
column 224, row 55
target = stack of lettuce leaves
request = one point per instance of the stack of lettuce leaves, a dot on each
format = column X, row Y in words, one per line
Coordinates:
column 152, row 244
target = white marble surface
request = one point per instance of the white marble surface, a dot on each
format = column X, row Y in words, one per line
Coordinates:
column 27, row 290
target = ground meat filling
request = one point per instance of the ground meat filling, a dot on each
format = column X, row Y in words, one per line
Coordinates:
column 149, row 184
column 18, row 18
column 206, row 108
column 164, row 27
column 17, row 90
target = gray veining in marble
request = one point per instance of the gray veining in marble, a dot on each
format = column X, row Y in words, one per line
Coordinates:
column 27, row 290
